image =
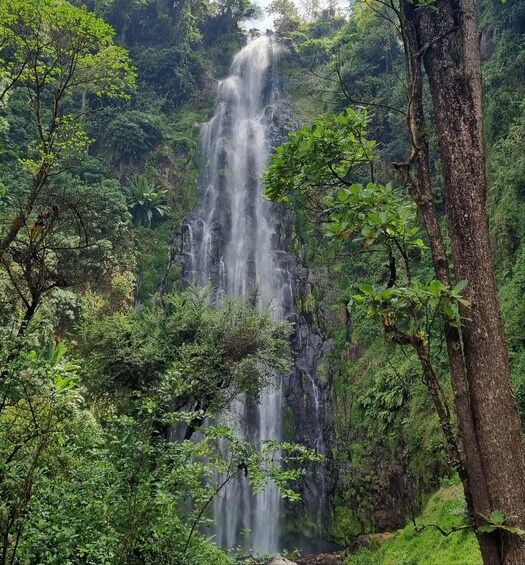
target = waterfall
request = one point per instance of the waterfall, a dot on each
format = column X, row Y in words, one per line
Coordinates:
column 232, row 242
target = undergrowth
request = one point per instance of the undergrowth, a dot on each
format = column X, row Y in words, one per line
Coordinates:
column 447, row 509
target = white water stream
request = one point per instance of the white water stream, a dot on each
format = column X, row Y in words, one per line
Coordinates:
column 230, row 244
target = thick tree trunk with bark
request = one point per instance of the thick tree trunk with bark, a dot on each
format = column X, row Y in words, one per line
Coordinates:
column 449, row 46
column 470, row 464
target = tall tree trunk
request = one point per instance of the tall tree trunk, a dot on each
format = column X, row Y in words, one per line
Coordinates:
column 470, row 466
column 19, row 221
column 448, row 35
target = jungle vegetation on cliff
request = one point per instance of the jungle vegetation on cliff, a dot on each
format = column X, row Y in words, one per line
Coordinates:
column 108, row 368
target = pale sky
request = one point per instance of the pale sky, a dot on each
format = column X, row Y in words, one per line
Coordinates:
column 265, row 22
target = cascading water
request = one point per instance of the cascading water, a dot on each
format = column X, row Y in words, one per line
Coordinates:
column 231, row 242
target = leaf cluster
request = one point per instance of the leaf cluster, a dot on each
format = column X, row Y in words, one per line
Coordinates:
column 318, row 160
column 217, row 352
column 394, row 306
column 54, row 46
column 498, row 520
column 146, row 202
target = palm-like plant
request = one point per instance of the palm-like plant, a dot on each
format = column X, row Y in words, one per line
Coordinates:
column 146, row 201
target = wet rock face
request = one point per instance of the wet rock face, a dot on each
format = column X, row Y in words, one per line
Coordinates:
column 308, row 398
column 385, row 495
column 305, row 398
column 394, row 492
column 279, row 118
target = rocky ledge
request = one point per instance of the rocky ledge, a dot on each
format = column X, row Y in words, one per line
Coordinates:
column 320, row 559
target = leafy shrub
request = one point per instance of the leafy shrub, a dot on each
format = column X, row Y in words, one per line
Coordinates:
column 132, row 134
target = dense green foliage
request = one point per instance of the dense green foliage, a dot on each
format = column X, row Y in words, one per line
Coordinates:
column 103, row 362
column 103, row 381
column 383, row 426
column 104, row 483
column 219, row 352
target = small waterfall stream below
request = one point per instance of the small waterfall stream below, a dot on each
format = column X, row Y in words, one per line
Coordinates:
column 232, row 242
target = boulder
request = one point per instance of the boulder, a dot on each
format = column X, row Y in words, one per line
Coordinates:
column 281, row 561
column 322, row 559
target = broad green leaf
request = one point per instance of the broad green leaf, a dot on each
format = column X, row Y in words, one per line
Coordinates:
column 343, row 195
column 366, row 288
column 461, row 285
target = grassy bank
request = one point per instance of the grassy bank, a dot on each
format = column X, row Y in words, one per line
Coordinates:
column 445, row 508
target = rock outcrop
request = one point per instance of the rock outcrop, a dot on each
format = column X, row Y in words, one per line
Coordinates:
column 322, row 559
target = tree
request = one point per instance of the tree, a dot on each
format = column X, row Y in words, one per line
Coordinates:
column 286, row 15
column 108, row 486
column 444, row 38
column 230, row 12
column 219, row 353
column 132, row 134
column 39, row 401
column 52, row 51
column 318, row 169
column 78, row 236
